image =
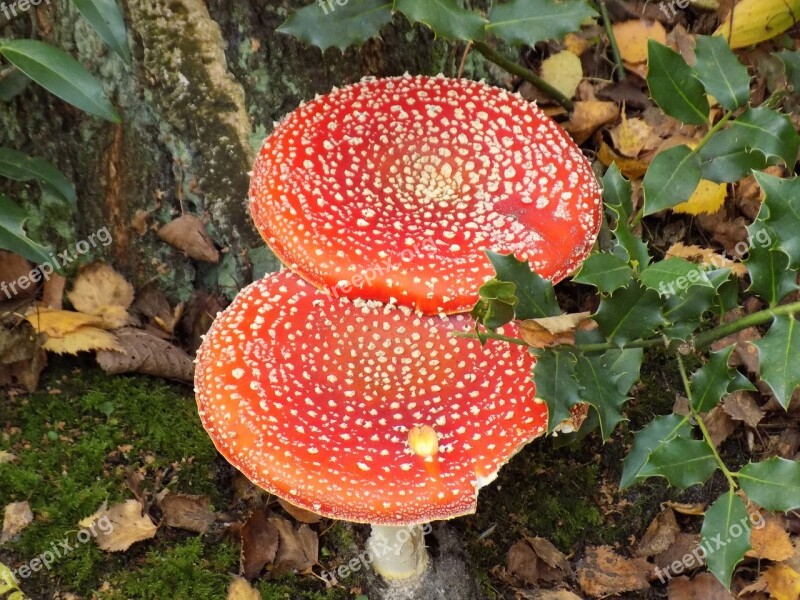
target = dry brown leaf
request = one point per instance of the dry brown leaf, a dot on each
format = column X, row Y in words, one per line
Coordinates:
column 240, row 589
column 13, row 267
column 660, row 534
column 84, row 339
column 552, row 331
column 535, row 559
column 730, row 233
column 183, row 511
column 128, row 526
column 632, row 37
column 7, row 457
column 703, row 587
column 22, row 358
column 100, row 290
column 188, row 233
column 707, row 257
column 86, row 522
column 719, row 424
column 771, row 541
column 145, row 353
column 298, row 549
column 632, row 168
column 535, row 594
column 260, row 541
column 299, row 514
column 685, row 545
column 742, row 406
column 602, row 572
column 783, row 582
column 563, row 71
column 58, row 323
column 16, row 518
column 589, row 116
column 631, row 136
column 693, row 509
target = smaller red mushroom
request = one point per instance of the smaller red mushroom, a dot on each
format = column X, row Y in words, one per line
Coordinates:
column 394, row 188
column 363, row 411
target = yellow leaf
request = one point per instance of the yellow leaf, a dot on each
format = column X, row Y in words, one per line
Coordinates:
column 632, row 38
column 100, row 290
column 563, row 71
column 632, row 168
column 783, row 582
column 122, row 525
column 771, row 541
column 83, row 339
column 589, row 116
column 755, row 21
column 241, row 590
column 58, row 323
column 707, row 257
column 708, row 198
column 630, row 136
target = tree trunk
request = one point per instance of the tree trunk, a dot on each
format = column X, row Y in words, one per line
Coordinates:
column 207, row 82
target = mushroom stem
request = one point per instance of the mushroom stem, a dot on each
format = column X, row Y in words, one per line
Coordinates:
column 398, row 552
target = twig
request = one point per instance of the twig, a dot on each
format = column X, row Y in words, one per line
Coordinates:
column 612, row 39
column 516, row 69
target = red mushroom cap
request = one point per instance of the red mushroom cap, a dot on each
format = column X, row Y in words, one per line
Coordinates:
column 359, row 410
column 371, row 189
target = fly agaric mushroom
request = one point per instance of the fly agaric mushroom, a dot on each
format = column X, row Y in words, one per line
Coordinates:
column 368, row 190
column 363, row 411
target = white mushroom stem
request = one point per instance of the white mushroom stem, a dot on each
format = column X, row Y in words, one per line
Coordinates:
column 398, row 552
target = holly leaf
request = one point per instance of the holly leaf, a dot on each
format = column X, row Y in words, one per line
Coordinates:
column 674, row 272
column 728, row 156
column 617, row 198
column 536, row 296
column 781, row 210
column 773, row 484
column 445, row 17
column 13, row 236
column 682, row 462
column 674, row 85
column 719, row 536
column 684, row 311
column 723, row 76
column 605, row 271
column 671, row 178
column 779, row 357
column 629, row 314
column 496, row 305
column 659, row 432
column 554, row 377
column 791, row 62
column 770, row 133
column 715, row 379
column 329, row 25
column 770, row 275
column 527, row 22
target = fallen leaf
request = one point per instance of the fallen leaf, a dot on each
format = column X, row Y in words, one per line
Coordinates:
column 546, row 595
column 660, row 534
column 298, row 549
column 602, row 572
column 783, row 582
column 707, row 257
column 260, row 539
column 12, row 268
column 58, row 323
column 84, row 339
column 708, row 198
column 86, row 522
column 703, row 587
column 552, row 331
column 8, row 587
column 632, row 168
column 16, row 518
column 720, row 425
column 755, row 21
column 742, row 406
column 771, row 541
column 299, row 514
column 588, row 116
column 694, row 509
column 563, row 71
column 53, row 293
column 240, row 589
column 632, row 37
column 683, row 550
column 188, row 233
column 6, row 457
column 730, row 233
column 535, row 559
column 631, row 136
column 145, row 353
column 127, row 526
column 100, row 290
column 183, row 511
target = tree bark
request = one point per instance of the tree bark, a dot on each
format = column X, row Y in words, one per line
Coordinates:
column 208, row 80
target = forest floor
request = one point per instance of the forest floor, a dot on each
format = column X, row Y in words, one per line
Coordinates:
column 86, row 438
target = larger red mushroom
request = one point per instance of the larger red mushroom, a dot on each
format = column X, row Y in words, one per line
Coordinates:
column 360, row 410
column 394, row 188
